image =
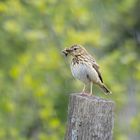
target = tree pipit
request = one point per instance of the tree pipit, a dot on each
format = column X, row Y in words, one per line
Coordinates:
column 84, row 68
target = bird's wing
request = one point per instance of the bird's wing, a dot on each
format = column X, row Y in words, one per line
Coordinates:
column 96, row 67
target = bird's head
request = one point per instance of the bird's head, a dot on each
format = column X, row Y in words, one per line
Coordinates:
column 75, row 50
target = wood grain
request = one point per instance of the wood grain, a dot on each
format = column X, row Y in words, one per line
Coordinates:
column 89, row 118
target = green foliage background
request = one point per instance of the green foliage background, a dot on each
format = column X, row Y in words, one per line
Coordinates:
column 35, row 79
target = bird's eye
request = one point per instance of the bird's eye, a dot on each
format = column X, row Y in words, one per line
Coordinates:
column 75, row 49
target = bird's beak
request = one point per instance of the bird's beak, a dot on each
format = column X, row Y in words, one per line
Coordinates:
column 66, row 51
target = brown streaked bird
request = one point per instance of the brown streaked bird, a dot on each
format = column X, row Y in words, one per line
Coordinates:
column 84, row 68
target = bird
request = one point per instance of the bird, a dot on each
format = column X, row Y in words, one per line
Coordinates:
column 85, row 68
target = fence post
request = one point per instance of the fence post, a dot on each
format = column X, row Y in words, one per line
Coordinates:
column 89, row 118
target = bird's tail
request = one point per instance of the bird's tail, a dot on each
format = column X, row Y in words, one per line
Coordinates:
column 105, row 89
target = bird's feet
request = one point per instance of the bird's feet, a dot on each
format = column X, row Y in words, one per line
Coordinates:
column 86, row 94
column 90, row 94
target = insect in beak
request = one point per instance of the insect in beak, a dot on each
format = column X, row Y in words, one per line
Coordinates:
column 66, row 52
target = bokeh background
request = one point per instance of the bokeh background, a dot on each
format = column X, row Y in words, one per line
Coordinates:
column 35, row 78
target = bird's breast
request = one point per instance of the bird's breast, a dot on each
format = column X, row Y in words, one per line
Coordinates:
column 80, row 71
column 85, row 72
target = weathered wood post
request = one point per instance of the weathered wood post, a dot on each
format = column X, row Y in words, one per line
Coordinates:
column 89, row 118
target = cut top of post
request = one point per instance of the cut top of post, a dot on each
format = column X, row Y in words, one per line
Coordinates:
column 92, row 98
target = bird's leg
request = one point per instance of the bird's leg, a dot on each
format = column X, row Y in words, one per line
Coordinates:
column 90, row 89
column 83, row 91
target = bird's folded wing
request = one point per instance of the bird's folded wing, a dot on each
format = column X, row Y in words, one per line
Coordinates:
column 93, row 61
column 96, row 67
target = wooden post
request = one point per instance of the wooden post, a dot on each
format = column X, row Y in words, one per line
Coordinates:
column 89, row 118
